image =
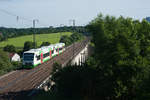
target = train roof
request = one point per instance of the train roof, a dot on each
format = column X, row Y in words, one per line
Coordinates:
column 60, row 44
column 33, row 50
column 43, row 48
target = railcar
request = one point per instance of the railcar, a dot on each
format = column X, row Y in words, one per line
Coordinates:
column 34, row 57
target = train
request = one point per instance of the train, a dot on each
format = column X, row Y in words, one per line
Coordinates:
column 35, row 57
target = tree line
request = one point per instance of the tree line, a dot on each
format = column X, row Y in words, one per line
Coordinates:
column 6, row 33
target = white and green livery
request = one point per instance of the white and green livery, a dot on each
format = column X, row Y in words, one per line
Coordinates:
column 34, row 57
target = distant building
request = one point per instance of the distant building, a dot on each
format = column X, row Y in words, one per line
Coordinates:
column 14, row 57
column 148, row 19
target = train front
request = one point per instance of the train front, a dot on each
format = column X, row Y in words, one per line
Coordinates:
column 28, row 60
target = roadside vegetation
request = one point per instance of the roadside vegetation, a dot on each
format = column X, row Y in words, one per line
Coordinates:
column 119, row 68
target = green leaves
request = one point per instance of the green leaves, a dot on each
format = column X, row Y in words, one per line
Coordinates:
column 73, row 38
column 45, row 44
column 28, row 45
column 5, row 64
column 10, row 48
column 122, row 49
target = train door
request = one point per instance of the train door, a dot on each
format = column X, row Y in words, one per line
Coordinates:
column 50, row 53
column 41, row 58
column 58, row 51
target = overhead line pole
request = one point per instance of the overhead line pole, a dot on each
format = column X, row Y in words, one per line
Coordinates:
column 61, row 25
column 74, row 23
column 34, row 32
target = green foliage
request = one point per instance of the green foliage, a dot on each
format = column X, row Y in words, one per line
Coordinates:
column 76, row 37
column 45, row 44
column 19, row 41
column 9, row 48
column 28, row 45
column 85, row 82
column 56, row 67
column 122, row 52
column 73, row 38
column 13, row 32
column 42, row 95
column 1, row 37
column 5, row 64
column 16, row 65
column 71, row 81
column 65, row 39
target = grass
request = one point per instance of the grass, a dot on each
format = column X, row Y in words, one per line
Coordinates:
column 19, row 41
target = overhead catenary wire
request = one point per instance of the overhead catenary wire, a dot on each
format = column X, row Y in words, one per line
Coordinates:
column 34, row 21
column 18, row 17
column 15, row 15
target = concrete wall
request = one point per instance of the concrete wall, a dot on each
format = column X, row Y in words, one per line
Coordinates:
column 81, row 57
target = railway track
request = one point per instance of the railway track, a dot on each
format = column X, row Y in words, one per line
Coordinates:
column 23, row 81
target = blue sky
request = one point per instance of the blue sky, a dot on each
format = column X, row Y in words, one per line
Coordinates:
column 56, row 12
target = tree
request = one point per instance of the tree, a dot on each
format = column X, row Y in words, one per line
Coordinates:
column 122, row 51
column 65, row 39
column 73, row 38
column 5, row 64
column 28, row 45
column 45, row 44
column 83, row 82
column 76, row 36
column 9, row 48
column 1, row 37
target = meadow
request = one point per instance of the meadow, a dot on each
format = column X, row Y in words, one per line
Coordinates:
column 19, row 41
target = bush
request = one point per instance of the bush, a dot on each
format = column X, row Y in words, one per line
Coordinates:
column 73, row 38
column 28, row 45
column 9, row 48
column 5, row 63
column 45, row 44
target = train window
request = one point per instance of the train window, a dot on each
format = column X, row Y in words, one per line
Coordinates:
column 56, row 49
column 28, row 56
column 60, row 48
column 52, row 51
column 46, row 55
column 38, row 57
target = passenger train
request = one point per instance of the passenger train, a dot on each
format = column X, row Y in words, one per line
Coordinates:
column 34, row 57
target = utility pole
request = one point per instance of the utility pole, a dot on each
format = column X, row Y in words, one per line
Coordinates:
column 74, row 23
column 61, row 25
column 34, row 32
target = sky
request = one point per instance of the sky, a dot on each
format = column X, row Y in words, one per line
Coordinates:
column 56, row 12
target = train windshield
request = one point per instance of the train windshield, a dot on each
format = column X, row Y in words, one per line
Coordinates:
column 28, row 56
